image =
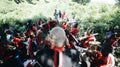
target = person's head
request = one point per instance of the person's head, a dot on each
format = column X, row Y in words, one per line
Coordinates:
column 75, row 25
column 63, row 12
column 57, row 36
column 55, row 10
column 30, row 21
column 59, row 11
column 50, row 18
column 73, row 17
column 34, row 24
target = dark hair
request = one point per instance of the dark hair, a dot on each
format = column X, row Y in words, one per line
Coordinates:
column 75, row 25
column 107, row 48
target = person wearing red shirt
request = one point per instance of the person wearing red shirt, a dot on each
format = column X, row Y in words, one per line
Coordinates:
column 88, row 37
column 107, row 59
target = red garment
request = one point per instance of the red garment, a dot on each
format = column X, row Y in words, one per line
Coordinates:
column 2, row 51
column 29, row 65
column 63, row 16
column 30, row 48
column 40, row 22
column 72, row 44
column 52, row 23
column 74, row 31
column 86, row 43
column 64, row 26
column 114, row 43
column 46, row 27
column 60, row 50
column 16, row 41
column 68, row 46
column 28, row 33
column 34, row 28
column 108, row 61
column 98, row 55
column 46, row 42
column 38, row 39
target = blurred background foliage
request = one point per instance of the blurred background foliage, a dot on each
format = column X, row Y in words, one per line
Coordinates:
column 98, row 16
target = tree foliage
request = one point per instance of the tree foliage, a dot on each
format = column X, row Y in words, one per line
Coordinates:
column 83, row 2
column 118, row 2
column 99, row 17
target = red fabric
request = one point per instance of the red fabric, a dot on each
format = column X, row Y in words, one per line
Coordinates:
column 63, row 16
column 74, row 31
column 9, row 57
column 60, row 50
column 64, row 26
column 28, row 33
column 46, row 42
column 104, row 61
column 86, row 43
column 38, row 39
column 17, row 41
column 100, row 62
column 46, row 27
column 114, row 43
column 29, row 65
column 2, row 51
column 51, row 23
column 68, row 46
column 29, row 49
column 40, row 22
column 72, row 44
column 34, row 28
column 98, row 55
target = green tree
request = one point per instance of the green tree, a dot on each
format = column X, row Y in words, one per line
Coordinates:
column 83, row 2
column 118, row 2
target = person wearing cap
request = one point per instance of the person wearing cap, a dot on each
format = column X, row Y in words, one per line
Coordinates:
column 57, row 55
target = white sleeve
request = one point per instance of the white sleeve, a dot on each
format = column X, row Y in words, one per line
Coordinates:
column 112, row 59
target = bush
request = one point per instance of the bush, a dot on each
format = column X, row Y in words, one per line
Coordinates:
column 117, row 53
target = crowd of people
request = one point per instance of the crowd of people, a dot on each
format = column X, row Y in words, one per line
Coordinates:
column 55, row 44
column 62, row 16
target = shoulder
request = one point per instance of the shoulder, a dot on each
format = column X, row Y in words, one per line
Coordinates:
column 45, row 57
column 72, row 53
column 111, row 56
column 44, row 51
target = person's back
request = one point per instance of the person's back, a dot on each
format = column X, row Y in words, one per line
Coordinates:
column 110, row 62
column 70, row 58
column 107, row 59
column 57, row 55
